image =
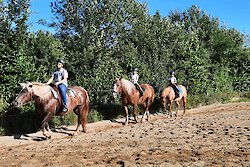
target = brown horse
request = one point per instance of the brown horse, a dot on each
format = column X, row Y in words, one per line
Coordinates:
column 130, row 96
column 48, row 103
column 168, row 96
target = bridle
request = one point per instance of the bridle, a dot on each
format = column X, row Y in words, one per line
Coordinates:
column 21, row 94
column 115, row 92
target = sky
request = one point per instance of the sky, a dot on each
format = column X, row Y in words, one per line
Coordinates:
column 232, row 13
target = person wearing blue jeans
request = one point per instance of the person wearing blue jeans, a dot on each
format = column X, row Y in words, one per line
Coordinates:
column 60, row 77
column 63, row 89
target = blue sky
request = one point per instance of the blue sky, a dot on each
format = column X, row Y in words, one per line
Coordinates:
column 233, row 13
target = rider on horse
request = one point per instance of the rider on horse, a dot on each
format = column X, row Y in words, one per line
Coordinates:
column 60, row 77
column 173, row 83
column 134, row 77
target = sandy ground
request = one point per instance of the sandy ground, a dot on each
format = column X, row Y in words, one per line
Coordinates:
column 215, row 135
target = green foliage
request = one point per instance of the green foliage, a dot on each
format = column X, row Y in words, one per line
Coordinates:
column 247, row 95
column 68, row 119
column 218, row 97
column 95, row 116
column 3, row 106
column 3, row 110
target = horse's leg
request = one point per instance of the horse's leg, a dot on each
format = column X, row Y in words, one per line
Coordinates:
column 126, row 115
column 184, row 100
column 78, row 112
column 45, row 124
column 47, row 127
column 145, row 112
column 148, row 115
column 147, row 104
column 85, row 117
column 178, row 106
column 164, row 102
column 134, row 112
column 170, row 108
column 82, row 117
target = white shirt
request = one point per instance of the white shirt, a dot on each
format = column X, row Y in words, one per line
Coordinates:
column 172, row 80
column 60, row 75
column 134, row 78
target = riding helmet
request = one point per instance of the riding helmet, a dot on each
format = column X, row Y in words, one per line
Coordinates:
column 172, row 72
column 60, row 61
column 135, row 69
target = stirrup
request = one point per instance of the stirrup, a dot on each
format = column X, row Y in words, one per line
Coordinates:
column 65, row 109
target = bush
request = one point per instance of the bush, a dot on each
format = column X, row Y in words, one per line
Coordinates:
column 3, row 106
column 94, row 116
column 69, row 119
column 246, row 95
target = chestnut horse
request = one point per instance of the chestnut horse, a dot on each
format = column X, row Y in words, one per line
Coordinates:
column 168, row 97
column 130, row 96
column 48, row 103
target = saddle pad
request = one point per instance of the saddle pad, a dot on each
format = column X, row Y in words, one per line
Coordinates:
column 180, row 90
column 55, row 94
column 71, row 92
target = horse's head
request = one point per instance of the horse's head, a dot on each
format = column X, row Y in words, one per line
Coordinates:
column 117, row 88
column 25, row 94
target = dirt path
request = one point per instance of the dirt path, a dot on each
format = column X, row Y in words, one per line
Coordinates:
column 215, row 135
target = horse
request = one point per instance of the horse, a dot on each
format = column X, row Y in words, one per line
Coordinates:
column 48, row 103
column 168, row 97
column 130, row 96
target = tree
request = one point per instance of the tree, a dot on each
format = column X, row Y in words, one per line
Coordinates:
column 94, row 34
column 15, row 64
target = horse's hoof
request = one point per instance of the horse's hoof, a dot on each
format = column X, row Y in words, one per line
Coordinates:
column 84, row 130
column 48, row 137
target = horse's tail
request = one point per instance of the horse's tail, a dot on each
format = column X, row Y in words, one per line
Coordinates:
column 84, row 99
column 87, row 99
column 85, row 111
column 153, row 94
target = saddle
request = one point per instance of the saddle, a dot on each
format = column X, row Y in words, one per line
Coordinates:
column 177, row 90
column 70, row 92
column 140, row 89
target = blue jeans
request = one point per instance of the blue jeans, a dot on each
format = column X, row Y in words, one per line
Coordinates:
column 62, row 89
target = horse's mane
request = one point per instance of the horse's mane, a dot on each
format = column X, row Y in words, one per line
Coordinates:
column 38, row 83
column 43, row 91
column 127, row 85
